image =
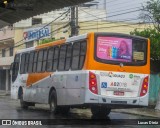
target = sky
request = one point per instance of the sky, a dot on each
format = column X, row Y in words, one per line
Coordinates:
column 115, row 8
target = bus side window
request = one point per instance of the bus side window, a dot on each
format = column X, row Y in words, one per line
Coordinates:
column 55, row 58
column 39, row 60
column 62, row 57
column 50, row 59
column 22, row 63
column 75, row 56
column 35, row 61
column 68, row 57
column 30, row 66
column 26, row 63
column 15, row 68
column 82, row 54
column 44, row 60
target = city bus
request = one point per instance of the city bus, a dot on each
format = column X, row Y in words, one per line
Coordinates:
column 96, row 70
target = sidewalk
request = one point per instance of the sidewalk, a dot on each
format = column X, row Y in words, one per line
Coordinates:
column 150, row 112
column 4, row 93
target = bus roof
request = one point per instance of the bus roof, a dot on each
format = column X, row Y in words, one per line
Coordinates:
column 79, row 37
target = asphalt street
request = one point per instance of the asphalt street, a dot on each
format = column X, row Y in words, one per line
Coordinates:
column 10, row 109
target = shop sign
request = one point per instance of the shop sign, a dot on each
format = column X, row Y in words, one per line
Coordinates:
column 37, row 33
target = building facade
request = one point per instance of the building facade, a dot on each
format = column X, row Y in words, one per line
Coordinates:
column 26, row 34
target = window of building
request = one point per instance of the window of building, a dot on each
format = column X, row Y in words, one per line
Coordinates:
column 3, row 52
column 11, row 51
column 36, row 21
column 29, row 44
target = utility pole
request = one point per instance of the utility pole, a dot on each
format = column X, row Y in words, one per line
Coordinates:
column 74, row 21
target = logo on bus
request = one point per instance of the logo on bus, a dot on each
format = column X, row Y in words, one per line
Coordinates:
column 104, row 85
column 131, row 76
column 111, row 74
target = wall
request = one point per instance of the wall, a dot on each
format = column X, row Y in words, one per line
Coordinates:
column 154, row 88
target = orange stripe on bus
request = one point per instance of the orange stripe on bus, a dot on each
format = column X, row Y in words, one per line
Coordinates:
column 35, row 77
column 58, row 42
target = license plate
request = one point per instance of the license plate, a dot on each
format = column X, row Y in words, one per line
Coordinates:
column 118, row 93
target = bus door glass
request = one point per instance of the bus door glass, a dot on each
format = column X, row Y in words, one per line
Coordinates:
column 15, row 67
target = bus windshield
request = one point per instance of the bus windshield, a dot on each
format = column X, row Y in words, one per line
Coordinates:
column 110, row 49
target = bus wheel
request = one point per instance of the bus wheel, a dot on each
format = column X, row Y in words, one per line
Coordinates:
column 65, row 110
column 53, row 103
column 100, row 111
column 22, row 102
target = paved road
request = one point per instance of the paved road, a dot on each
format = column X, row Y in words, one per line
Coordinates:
column 10, row 109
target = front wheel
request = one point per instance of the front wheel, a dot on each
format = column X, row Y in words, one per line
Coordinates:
column 100, row 111
column 23, row 104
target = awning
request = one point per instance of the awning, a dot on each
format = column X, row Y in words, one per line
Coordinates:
column 24, row 9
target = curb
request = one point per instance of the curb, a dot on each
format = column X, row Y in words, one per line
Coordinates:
column 6, row 94
column 155, row 113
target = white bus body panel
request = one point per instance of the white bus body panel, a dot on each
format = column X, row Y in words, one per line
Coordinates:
column 72, row 88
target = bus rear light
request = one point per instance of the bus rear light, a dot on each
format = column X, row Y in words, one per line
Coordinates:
column 144, row 88
column 93, row 83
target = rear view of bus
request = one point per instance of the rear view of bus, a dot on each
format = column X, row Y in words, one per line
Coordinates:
column 118, row 71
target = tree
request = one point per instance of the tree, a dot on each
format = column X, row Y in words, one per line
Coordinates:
column 151, row 13
column 154, row 37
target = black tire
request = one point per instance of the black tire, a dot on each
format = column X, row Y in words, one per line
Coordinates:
column 23, row 104
column 100, row 111
column 53, row 103
column 65, row 110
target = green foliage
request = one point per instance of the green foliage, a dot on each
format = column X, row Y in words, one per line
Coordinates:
column 151, row 13
column 44, row 41
column 154, row 37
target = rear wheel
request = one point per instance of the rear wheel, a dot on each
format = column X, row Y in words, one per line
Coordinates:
column 65, row 110
column 53, row 103
column 100, row 111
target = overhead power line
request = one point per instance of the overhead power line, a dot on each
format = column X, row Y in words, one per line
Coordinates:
column 46, row 25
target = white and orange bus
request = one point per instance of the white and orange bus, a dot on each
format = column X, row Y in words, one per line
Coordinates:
column 100, row 71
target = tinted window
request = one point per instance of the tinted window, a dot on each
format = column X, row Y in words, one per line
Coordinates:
column 44, row 63
column 30, row 66
column 50, row 59
column 68, row 57
column 15, row 67
column 78, row 55
column 35, row 61
column 40, row 59
column 26, row 62
column 62, row 57
column 55, row 60
column 22, row 63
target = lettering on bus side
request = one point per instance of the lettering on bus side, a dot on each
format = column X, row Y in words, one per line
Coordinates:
column 111, row 74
